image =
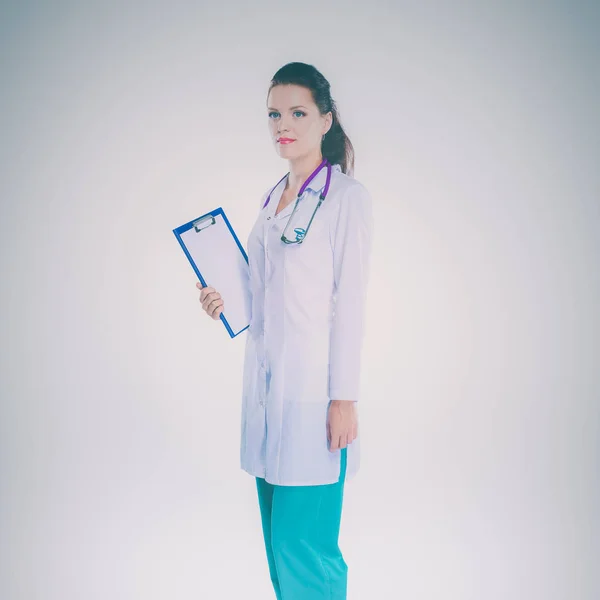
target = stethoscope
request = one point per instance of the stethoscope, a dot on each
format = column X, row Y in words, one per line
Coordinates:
column 300, row 231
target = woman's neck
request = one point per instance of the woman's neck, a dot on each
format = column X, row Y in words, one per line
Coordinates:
column 301, row 169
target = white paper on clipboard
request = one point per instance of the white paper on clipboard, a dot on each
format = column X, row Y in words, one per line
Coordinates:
column 220, row 261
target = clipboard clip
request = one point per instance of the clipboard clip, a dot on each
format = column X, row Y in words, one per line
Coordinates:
column 203, row 223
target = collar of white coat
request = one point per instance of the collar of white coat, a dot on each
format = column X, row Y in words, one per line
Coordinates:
column 319, row 180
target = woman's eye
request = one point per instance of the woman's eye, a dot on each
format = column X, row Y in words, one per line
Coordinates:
column 274, row 112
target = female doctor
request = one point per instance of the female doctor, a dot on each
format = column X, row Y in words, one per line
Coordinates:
column 308, row 254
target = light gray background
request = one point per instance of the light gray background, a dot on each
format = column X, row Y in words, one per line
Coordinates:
column 476, row 131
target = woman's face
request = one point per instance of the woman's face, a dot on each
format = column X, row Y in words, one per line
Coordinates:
column 293, row 114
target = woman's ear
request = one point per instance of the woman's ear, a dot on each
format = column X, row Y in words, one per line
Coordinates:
column 328, row 121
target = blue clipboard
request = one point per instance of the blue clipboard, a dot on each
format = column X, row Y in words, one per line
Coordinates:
column 219, row 260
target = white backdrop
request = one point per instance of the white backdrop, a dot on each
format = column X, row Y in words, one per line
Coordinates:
column 475, row 126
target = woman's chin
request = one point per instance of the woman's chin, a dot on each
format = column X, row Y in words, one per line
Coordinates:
column 285, row 153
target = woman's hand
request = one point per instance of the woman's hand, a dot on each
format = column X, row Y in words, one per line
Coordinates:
column 211, row 301
column 342, row 424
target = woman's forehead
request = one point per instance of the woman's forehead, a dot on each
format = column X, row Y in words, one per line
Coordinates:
column 289, row 96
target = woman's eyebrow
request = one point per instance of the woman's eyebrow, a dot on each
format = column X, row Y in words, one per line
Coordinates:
column 291, row 107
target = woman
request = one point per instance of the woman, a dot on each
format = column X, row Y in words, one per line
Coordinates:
column 302, row 363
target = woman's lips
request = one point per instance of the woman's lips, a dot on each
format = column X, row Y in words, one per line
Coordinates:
column 285, row 141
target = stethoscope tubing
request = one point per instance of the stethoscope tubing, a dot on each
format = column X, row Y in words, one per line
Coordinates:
column 324, row 162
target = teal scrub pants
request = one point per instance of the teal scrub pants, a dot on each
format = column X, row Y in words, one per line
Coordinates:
column 301, row 526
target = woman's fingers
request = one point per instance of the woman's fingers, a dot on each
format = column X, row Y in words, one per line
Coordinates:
column 205, row 291
column 340, row 439
column 215, row 308
column 208, row 295
column 211, row 300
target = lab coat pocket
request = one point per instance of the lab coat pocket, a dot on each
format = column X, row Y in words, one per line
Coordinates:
column 307, row 369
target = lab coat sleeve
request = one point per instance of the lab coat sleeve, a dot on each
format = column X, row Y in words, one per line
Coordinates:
column 351, row 263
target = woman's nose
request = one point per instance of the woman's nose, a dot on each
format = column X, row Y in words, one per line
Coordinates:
column 282, row 126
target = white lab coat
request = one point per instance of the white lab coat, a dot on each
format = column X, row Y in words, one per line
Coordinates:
column 303, row 346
